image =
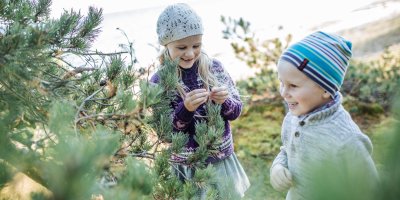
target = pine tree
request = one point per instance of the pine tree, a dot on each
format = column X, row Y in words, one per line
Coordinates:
column 65, row 109
column 82, row 122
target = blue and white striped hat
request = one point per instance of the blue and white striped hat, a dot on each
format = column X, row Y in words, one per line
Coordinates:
column 323, row 57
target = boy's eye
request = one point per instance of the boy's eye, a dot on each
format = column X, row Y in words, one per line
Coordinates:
column 292, row 85
column 181, row 48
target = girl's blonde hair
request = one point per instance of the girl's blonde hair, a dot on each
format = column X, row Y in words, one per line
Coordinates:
column 209, row 80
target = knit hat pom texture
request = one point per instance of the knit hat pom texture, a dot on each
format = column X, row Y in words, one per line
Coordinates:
column 176, row 22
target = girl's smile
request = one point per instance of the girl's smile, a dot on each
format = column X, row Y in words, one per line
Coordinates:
column 187, row 49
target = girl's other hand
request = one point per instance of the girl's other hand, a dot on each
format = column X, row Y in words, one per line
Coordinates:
column 195, row 98
column 219, row 94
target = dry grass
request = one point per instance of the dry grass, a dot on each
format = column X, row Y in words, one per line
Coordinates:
column 21, row 188
column 370, row 39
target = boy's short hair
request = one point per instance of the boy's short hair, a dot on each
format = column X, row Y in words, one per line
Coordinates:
column 323, row 57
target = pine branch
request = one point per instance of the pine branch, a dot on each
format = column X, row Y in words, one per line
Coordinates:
column 42, row 9
column 97, row 53
column 89, row 29
column 77, row 70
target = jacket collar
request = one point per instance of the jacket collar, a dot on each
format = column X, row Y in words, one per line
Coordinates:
column 322, row 112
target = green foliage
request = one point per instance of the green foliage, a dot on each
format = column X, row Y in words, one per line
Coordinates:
column 179, row 140
column 390, row 173
column 332, row 183
column 78, row 160
column 164, row 92
column 257, row 142
column 62, row 112
column 258, row 54
column 257, row 169
column 68, row 113
column 133, row 177
column 373, row 82
column 6, row 173
column 257, row 132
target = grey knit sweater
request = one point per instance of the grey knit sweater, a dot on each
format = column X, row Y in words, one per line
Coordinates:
column 328, row 136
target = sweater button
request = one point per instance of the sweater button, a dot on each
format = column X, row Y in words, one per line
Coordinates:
column 302, row 123
column 297, row 134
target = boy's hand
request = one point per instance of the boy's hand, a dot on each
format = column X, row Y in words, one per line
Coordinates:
column 195, row 98
column 219, row 94
column 281, row 178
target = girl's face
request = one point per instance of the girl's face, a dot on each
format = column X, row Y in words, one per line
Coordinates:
column 301, row 94
column 187, row 50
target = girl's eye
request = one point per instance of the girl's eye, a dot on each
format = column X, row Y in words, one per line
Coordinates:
column 292, row 85
column 181, row 48
column 197, row 46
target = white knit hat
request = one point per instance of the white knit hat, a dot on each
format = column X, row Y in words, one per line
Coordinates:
column 176, row 22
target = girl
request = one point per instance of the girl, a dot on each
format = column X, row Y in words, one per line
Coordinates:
column 201, row 79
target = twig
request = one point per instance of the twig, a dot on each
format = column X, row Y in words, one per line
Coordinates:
column 109, row 116
column 129, row 145
column 47, row 134
column 69, row 64
column 174, row 166
column 81, row 106
column 96, row 53
column 143, row 155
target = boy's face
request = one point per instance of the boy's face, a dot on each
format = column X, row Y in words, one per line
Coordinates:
column 187, row 49
column 301, row 93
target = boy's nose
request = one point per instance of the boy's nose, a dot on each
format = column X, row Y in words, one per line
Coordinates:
column 284, row 92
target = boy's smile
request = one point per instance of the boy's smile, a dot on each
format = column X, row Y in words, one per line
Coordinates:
column 292, row 106
column 301, row 94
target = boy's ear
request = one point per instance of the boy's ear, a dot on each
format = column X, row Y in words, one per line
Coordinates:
column 326, row 95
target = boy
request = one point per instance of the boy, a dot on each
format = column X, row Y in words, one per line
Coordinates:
column 318, row 133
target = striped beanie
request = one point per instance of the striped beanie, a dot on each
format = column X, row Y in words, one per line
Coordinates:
column 176, row 22
column 323, row 57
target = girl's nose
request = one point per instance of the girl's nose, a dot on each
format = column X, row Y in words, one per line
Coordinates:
column 189, row 53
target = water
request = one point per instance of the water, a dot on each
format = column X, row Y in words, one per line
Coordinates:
column 138, row 20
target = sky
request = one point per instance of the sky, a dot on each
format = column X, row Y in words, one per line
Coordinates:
column 137, row 18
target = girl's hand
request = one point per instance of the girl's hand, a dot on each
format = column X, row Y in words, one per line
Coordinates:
column 195, row 98
column 219, row 94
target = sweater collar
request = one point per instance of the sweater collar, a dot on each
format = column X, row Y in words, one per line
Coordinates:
column 324, row 111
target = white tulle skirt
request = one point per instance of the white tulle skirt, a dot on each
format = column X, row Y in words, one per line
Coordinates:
column 232, row 181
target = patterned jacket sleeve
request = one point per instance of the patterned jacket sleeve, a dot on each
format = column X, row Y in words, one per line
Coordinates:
column 181, row 117
column 232, row 107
